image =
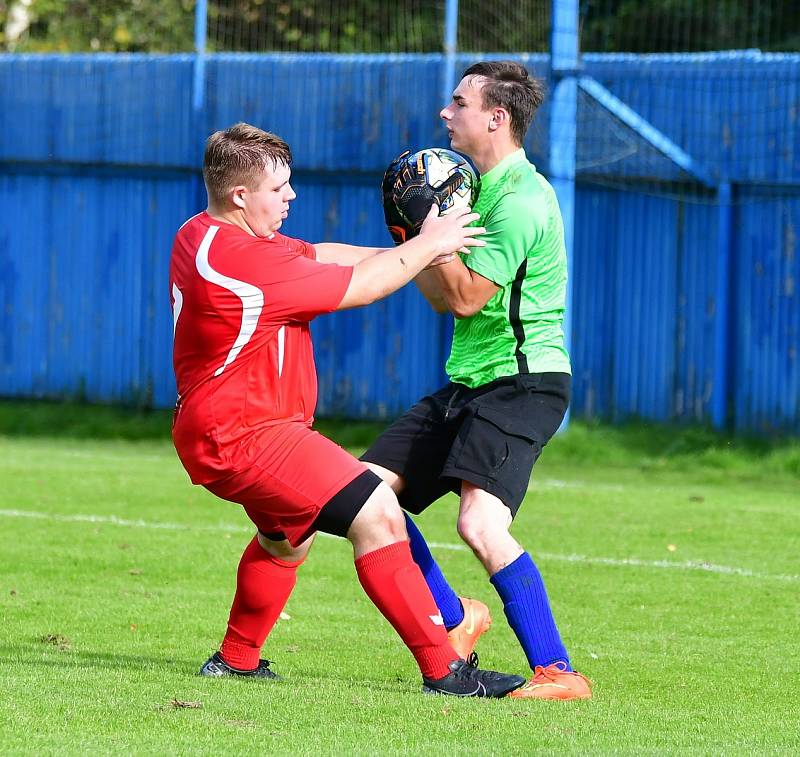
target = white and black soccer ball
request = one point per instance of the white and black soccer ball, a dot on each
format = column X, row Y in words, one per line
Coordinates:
column 414, row 181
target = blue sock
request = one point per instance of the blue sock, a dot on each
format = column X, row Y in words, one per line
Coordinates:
column 446, row 600
column 521, row 588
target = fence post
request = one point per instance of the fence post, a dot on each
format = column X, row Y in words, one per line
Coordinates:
column 450, row 43
column 564, row 61
column 720, row 394
column 199, row 83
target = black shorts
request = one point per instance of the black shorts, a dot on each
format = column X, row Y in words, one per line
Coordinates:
column 489, row 436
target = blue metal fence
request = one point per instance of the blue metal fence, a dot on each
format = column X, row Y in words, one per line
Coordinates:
column 99, row 166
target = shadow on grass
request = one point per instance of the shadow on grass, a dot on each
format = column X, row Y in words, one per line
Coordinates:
column 639, row 444
column 658, row 446
column 33, row 653
column 70, row 420
column 80, row 421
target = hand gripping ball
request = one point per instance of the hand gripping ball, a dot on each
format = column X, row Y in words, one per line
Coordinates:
column 414, row 181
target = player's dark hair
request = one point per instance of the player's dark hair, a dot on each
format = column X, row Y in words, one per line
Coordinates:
column 509, row 85
column 240, row 155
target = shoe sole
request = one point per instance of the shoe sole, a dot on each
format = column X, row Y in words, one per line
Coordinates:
column 563, row 697
column 439, row 692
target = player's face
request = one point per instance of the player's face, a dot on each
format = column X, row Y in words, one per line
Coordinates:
column 466, row 121
column 266, row 208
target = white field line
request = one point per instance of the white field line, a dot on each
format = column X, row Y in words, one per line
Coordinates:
column 554, row 483
column 689, row 565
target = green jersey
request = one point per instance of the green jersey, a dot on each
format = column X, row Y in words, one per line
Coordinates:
column 520, row 329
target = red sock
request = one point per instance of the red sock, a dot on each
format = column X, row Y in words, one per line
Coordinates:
column 263, row 586
column 395, row 584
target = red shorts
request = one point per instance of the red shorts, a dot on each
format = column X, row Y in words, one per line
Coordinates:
column 284, row 475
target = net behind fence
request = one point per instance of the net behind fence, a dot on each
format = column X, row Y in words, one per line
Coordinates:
column 376, row 26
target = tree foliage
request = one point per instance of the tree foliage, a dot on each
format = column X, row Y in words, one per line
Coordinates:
column 689, row 25
column 373, row 26
column 108, row 25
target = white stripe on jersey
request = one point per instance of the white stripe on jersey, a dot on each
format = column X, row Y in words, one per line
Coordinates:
column 252, row 297
column 191, row 219
column 177, row 296
column 281, row 346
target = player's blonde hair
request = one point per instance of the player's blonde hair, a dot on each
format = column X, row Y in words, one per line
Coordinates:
column 240, row 155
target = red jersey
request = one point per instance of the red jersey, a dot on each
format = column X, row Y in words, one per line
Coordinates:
column 242, row 354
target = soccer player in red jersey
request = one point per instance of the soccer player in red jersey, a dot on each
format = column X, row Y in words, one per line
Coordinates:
column 243, row 295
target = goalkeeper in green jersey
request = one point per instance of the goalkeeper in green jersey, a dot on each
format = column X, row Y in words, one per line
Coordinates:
column 509, row 372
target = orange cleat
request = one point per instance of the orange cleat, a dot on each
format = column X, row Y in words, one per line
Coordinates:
column 465, row 635
column 554, row 682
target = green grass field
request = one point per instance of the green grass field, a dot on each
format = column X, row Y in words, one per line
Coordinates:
column 672, row 559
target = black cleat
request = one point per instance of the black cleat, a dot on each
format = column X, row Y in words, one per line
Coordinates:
column 216, row 667
column 464, row 680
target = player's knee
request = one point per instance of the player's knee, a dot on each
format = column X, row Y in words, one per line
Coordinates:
column 466, row 530
column 385, row 513
column 283, row 550
column 476, row 532
column 380, row 519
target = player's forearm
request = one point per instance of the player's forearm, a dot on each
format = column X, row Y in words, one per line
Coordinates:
column 380, row 275
column 344, row 254
column 429, row 286
column 456, row 289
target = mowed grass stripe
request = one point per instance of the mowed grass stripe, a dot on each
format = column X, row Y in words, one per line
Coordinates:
column 104, row 624
column 626, row 562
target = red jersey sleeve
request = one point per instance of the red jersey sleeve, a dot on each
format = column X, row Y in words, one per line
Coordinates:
column 295, row 285
column 297, row 245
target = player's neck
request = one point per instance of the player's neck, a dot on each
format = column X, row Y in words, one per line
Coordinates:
column 494, row 154
column 234, row 217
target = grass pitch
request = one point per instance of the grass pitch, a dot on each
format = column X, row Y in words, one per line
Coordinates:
column 671, row 558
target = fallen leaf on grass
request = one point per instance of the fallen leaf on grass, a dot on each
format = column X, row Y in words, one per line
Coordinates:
column 181, row 704
column 285, row 616
column 135, row 571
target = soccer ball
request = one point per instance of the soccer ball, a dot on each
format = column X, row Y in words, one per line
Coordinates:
column 414, row 181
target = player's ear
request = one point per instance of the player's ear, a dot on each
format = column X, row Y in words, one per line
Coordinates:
column 500, row 116
column 237, row 196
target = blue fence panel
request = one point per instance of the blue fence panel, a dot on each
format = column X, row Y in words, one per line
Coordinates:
column 100, row 164
column 644, row 305
column 735, row 112
column 767, row 390
column 696, row 238
column 86, row 307
column 99, row 109
column 594, row 302
column 25, row 253
column 339, row 113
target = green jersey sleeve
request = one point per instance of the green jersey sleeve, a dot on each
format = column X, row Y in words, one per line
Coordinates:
column 514, row 226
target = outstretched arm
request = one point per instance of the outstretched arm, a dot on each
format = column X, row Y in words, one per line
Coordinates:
column 344, row 254
column 379, row 275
